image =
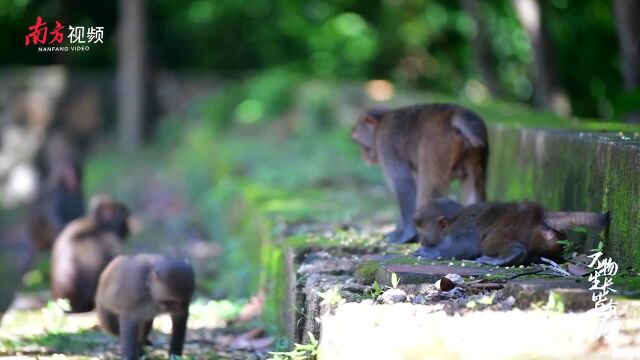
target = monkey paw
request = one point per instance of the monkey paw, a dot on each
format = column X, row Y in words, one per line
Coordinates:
column 425, row 253
column 405, row 236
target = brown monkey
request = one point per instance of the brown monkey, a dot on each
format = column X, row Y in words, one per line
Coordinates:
column 83, row 250
column 516, row 233
column 134, row 289
column 59, row 201
column 421, row 149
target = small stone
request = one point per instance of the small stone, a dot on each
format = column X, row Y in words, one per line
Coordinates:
column 445, row 284
column 393, row 296
column 419, row 300
column 457, row 279
column 509, row 301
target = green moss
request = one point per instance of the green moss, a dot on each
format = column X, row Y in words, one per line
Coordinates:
column 366, row 272
column 77, row 342
column 628, row 286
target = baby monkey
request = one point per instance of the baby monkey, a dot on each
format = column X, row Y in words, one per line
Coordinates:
column 499, row 234
column 134, row 289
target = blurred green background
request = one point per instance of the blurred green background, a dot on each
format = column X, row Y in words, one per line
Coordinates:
column 414, row 43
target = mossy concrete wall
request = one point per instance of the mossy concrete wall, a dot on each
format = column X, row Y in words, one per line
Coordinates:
column 569, row 170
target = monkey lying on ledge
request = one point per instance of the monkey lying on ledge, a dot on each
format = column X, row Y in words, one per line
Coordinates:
column 499, row 234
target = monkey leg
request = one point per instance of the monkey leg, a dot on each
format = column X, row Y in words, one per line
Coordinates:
column 516, row 254
column 473, row 186
column 129, row 330
column 80, row 304
column 108, row 321
column 178, row 333
column 403, row 186
column 143, row 334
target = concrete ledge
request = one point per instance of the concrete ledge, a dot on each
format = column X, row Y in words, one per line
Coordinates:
column 568, row 170
column 406, row 331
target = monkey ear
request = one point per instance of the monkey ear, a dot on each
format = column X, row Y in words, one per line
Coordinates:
column 371, row 120
column 376, row 114
column 442, row 222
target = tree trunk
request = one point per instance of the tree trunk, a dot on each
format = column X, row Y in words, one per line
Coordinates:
column 483, row 56
column 548, row 90
column 628, row 24
column 131, row 61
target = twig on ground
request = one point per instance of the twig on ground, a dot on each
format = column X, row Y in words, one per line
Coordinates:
column 554, row 267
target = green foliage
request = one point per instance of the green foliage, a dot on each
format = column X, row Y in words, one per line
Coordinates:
column 555, row 302
column 224, row 309
column 395, row 281
column 599, row 248
column 72, row 342
column 300, row 351
column 366, row 272
column 419, row 42
column 377, row 290
column 331, row 297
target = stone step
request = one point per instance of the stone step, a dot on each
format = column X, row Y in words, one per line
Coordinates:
column 406, row 331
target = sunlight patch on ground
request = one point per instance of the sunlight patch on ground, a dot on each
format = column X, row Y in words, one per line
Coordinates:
column 50, row 332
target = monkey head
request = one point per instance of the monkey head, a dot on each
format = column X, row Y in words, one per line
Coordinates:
column 433, row 218
column 172, row 285
column 110, row 214
column 363, row 132
column 544, row 241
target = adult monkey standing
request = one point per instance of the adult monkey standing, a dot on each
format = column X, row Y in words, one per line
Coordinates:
column 421, row 149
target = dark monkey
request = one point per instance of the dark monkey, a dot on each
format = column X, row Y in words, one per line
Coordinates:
column 134, row 289
column 59, row 201
column 421, row 149
column 83, row 250
column 516, row 233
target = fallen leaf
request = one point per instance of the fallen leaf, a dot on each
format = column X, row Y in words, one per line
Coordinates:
column 577, row 270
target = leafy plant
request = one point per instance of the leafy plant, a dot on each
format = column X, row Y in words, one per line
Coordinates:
column 331, row 297
column 307, row 351
column 377, row 289
column 395, row 281
column 567, row 247
column 555, row 303
column 600, row 247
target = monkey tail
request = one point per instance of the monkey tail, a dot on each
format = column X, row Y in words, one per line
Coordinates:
column 471, row 127
column 566, row 220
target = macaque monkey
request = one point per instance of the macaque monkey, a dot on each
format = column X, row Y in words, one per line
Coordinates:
column 134, row 289
column 421, row 149
column 83, row 250
column 498, row 234
column 59, row 201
